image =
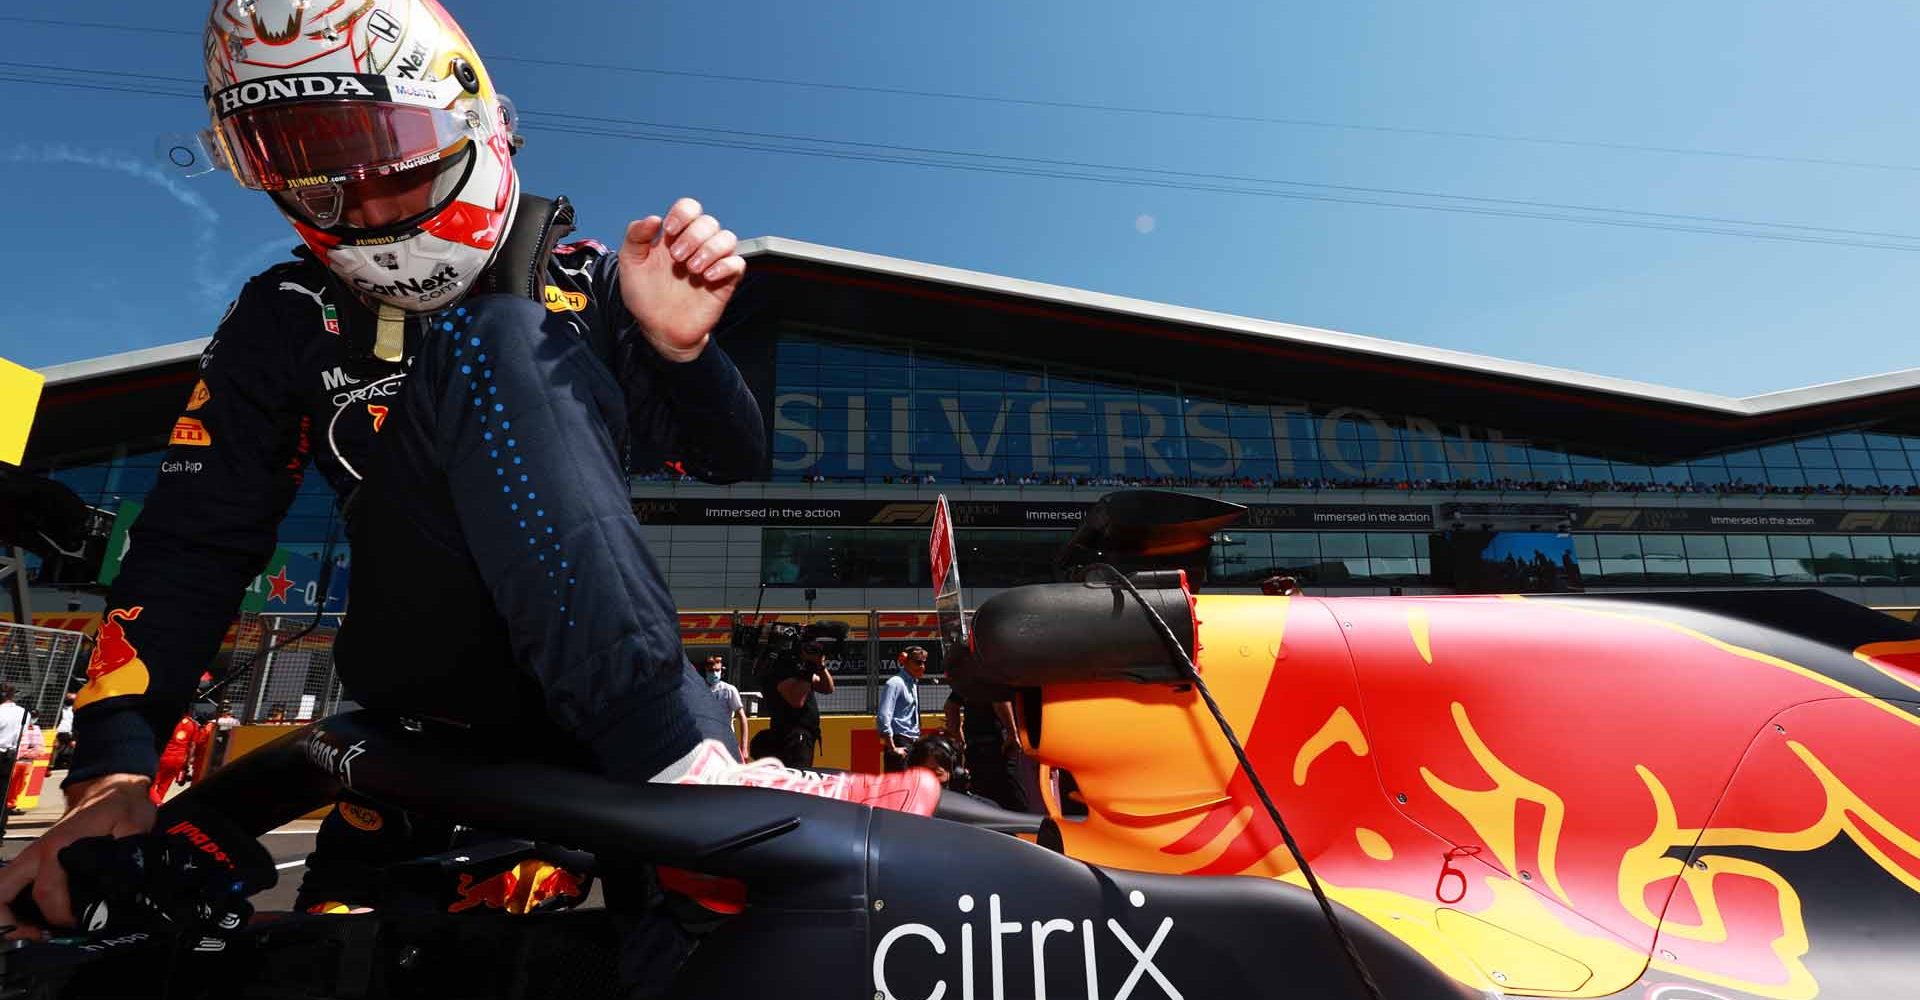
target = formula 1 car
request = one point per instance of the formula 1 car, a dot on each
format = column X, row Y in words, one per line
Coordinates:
column 1697, row 796
column 838, row 900
column 1679, row 796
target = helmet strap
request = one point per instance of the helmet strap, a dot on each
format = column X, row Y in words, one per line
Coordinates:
column 519, row 265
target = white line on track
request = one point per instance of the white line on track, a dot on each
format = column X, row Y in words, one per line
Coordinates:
column 284, row 865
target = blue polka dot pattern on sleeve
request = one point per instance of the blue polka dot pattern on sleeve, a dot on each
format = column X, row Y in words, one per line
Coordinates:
column 480, row 403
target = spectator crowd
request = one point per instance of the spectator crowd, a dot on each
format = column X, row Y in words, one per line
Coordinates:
column 1362, row 483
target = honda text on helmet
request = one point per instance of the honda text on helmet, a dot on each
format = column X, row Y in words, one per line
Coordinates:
column 377, row 131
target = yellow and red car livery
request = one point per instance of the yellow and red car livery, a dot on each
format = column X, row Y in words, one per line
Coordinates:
column 1701, row 796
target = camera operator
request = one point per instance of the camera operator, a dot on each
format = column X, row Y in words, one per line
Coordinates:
column 794, row 712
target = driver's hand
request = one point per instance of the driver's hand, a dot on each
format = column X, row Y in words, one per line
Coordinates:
column 676, row 276
column 113, row 805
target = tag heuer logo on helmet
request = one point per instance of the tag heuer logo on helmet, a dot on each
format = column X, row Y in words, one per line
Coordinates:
column 303, row 87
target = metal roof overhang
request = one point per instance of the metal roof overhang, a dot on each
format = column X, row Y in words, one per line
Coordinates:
column 1266, row 361
column 95, row 403
column 98, row 403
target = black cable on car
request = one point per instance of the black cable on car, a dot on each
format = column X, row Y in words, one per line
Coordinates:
column 1359, row 964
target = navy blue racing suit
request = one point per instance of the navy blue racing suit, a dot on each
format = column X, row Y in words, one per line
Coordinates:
column 499, row 577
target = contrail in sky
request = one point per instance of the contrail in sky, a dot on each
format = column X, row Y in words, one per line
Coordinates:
column 206, row 219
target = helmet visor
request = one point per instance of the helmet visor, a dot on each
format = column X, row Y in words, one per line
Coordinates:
column 382, row 201
column 309, row 144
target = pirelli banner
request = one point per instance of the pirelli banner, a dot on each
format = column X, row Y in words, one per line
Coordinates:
column 1726, row 520
column 1010, row 514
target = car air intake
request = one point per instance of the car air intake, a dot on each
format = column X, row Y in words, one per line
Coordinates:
column 1068, row 633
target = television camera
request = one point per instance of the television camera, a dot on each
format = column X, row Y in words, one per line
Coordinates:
column 772, row 648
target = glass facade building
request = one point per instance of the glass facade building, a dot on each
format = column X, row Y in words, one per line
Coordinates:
column 869, row 412
column 857, row 558
column 105, row 479
column 887, row 383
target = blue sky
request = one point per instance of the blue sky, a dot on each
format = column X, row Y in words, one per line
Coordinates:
column 107, row 253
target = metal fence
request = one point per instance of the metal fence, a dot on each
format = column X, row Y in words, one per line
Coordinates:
column 39, row 663
column 269, row 668
column 272, row 669
column 860, row 667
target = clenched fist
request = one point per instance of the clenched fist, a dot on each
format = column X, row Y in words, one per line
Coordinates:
column 676, row 275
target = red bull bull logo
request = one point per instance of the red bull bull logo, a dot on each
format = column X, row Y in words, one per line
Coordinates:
column 518, row 890
column 557, row 883
column 116, row 668
column 492, row 892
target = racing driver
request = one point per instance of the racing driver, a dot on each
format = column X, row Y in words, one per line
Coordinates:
column 471, row 390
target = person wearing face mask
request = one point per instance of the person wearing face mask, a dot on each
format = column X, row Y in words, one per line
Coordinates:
column 729, row 698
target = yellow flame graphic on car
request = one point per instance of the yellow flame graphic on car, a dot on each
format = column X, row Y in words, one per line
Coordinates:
column 1493, row 812
column 1339, row 729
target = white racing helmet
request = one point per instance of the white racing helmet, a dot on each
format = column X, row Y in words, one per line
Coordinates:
column 376, row 129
